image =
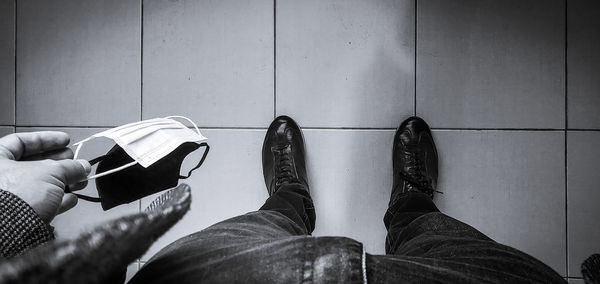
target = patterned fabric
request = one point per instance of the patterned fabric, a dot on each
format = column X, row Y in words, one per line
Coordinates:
column 20, row 227
column 590, row 269
column 99, row 255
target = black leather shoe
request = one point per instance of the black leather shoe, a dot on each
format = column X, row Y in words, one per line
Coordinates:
column 283, row 154
column 415, row 161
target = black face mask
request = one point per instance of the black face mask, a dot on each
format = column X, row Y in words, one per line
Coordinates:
column 135, row 182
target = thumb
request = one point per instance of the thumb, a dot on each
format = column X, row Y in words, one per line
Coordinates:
column 69, row 201
column 74, row 171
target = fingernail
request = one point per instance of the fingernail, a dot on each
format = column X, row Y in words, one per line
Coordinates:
column 86, row 165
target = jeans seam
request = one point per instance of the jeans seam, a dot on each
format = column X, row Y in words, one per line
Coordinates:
column 307, row 271
column 363, row 261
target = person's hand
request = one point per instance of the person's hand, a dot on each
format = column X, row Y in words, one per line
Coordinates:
column 37, row 166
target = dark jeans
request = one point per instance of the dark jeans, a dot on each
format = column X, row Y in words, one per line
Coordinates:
column 273, row 245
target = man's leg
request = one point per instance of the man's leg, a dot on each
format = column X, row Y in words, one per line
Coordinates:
column 408, row 207
column 284, row 170
column 293, row 201
column 236, row 249
column 424, row 245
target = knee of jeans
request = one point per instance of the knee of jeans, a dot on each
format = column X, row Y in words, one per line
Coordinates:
column 442, row 224
column 256, row 224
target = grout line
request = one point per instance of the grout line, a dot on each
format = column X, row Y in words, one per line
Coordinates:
column 566, row 72
column 325, row 128
column 65, row 126
column 566, row 145
column 230, row 128
column 441, row 129
column 274, row 59
column 566, row 205
column 583, row 130
column 98, row 127
column 415, row 70
column 347, row 128
column 15, row 54
column 141, row 59
column 498, row 129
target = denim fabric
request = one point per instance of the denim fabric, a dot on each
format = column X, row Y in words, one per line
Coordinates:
column 426, row 246
column 294, row 201
column 267, row 246
column 272, row 246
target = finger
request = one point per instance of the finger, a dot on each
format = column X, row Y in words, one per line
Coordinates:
column 17, row 145
column 62, row 154
column 73, row 171
column 78, row 186
column 69, row 201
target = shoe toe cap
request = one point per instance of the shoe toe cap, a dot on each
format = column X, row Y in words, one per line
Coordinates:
column 411, row 130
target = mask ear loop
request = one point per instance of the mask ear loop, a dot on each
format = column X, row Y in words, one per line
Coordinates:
column 199, row 163
column 85, row 197
column 112, row 171
column 93, row 162
column 203, row 144
column 98, row 159
column 190, row 121
column 80, row 143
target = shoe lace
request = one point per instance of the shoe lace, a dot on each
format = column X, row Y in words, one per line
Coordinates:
column 415, row 178
column 284, row 168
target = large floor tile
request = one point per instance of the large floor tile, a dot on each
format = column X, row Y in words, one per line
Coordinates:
column 209, row 60
column 491, row 64
column 7, row 61
column 78, row 62
column 576, row 281
column 583, row 63
column 350, row 176
column 229, row 183
column 583, row 197
column 5, row 130
column 508, row 184
column 85, row 215
column 345, row 63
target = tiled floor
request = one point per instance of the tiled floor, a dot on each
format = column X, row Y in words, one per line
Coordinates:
column 491, row 64
column 345, row 63
column 78, row 58
column 4, row 130
column 508, row 184
column 515, row 113
column 7, row 62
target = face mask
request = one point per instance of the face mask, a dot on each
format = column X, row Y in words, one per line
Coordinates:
column 147, row 159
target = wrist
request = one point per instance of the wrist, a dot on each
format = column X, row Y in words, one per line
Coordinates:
column 22, row 228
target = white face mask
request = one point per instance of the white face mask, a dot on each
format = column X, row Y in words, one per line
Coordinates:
column 147, row 141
